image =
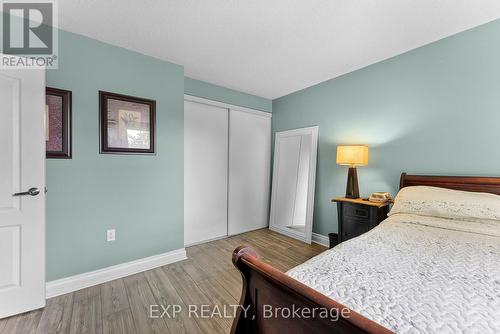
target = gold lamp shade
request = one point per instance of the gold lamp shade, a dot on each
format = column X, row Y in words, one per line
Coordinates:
column 352, row 155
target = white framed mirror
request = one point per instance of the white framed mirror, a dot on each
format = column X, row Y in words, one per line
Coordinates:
column 294, row 176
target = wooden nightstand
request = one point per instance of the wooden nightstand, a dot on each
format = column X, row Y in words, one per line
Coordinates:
column 357, row 216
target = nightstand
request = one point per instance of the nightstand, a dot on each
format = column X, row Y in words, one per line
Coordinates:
column 357, row 216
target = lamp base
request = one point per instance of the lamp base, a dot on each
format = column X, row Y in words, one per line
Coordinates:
column 352, row 189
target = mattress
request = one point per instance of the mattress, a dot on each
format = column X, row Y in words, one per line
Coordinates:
column 416, row 274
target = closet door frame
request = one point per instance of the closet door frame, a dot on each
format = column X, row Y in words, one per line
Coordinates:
column 229, row 107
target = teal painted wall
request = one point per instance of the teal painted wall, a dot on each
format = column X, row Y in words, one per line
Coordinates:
column 140, row 196
column 221, row 94
column 434, row 110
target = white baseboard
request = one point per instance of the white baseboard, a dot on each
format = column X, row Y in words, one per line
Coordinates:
column 85, row 280
column 321, row 239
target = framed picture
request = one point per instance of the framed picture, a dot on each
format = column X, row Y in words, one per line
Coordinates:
column 127, row 124
column 57, row 123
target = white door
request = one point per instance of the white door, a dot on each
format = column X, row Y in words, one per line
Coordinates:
column 22, row 166
column 249, row 170
column 205, row 172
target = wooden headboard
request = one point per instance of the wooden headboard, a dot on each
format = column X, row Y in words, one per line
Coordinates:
column 466, row 183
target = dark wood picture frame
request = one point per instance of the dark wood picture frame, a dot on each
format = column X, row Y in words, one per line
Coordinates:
column 66, row 107
column 105, row 148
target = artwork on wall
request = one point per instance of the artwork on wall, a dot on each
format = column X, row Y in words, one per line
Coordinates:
column 127, row 124
column 57, row 123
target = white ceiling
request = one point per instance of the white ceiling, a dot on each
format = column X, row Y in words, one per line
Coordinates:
column 271, row 48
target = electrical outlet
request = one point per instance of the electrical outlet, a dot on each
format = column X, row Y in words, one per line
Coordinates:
column 110, row 235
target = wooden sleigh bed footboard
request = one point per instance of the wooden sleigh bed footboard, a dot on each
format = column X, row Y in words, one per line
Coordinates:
column 266, row 290
column 273, row 302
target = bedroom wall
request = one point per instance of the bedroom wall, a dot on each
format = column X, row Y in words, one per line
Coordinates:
column 140, row 196
column 217, row 93
column 433, row 110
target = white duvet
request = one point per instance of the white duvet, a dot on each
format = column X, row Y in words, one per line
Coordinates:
column 416, row 274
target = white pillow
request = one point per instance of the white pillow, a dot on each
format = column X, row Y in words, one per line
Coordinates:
column 446, row 203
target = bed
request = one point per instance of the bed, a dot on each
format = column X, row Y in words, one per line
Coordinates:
column 432, row 267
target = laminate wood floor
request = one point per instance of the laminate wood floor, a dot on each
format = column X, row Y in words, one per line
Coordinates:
column 207, row 277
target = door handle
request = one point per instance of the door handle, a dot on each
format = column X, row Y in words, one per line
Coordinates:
column 30, row 192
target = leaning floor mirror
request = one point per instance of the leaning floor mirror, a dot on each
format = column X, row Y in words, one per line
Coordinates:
column 294, row 174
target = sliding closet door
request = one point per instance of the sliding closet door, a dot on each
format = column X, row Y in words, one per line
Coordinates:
column 249, row 170
column 205, row 172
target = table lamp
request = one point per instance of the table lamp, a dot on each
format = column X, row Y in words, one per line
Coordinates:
column 352, row 156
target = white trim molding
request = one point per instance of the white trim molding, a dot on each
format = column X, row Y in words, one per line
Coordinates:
column 197, row 99
column 320, row 239
column 85, row 280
